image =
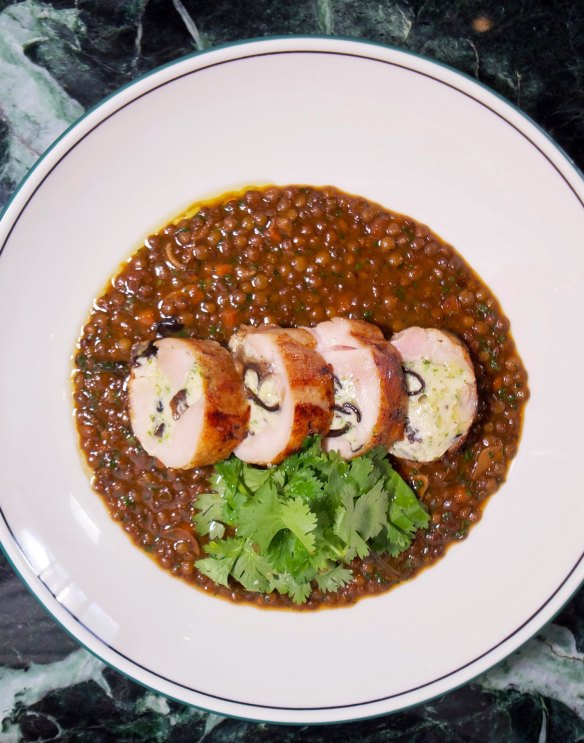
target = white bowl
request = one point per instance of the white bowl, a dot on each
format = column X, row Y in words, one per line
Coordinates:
column 398, row 129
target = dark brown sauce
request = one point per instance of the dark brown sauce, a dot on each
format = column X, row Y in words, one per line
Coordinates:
column 292, row 256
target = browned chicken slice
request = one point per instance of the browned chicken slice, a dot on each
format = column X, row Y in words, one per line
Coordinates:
column 186, row 399
column 369, row 388
column 290, row 389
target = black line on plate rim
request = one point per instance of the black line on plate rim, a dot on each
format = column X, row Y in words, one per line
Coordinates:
column 279, row 53
column 15, row 222
column 269, row 706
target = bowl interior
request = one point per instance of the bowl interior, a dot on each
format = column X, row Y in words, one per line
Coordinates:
column 398, row 130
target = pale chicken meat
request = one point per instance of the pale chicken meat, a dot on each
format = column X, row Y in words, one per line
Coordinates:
column 442, row 393
column 369, row 387
column 289, row 387
column 186, row 402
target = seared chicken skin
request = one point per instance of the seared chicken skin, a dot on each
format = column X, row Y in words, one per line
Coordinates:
column 442, row 393
column 186, row 401
column 369, row 387
column 290, row 389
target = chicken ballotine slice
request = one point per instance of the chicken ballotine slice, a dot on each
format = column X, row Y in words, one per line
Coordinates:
column 187, row 405
column 442, row 393
column 369, row 387
column 290, row 389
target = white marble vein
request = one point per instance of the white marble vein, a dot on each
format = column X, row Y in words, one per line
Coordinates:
column 399, row 19
column 26, row 686
column 549, row 665
column 34, row 106
column 324, row 14
column 198, row 38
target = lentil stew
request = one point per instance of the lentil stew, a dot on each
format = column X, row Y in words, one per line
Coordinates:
column 292, row 256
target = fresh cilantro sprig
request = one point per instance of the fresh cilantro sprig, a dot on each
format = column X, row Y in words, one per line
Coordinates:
column 301, row 522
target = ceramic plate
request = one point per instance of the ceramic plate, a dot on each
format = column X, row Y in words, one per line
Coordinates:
column 398, row 129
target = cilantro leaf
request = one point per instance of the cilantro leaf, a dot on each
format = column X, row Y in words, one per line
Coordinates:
column 361, row 470
column 347, row 525
column 260, row 517
column 266, row 514
column 288, row 555
column 371, row 511
column 398, row 541
column 210, row 514
column 333, row 579
column 406, row 514
column 299, row 591
column 305, row 485
column 228, row 474
column 361, row 518
column 252, row 570
column 218, row 570
column 299, row 524
column 224, row 554
column 254, row 477
column 297, row 517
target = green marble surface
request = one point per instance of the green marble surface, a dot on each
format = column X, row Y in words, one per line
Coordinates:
column 58, row 58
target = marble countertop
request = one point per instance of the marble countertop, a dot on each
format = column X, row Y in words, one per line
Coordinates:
column 57, row 59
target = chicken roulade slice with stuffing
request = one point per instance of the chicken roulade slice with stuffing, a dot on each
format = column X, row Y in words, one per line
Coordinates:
column 369, row 388
column 186, row 400
column 442, row 393
column 290, row 390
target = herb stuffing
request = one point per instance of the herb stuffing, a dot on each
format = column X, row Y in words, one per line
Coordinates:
column 301, row 523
